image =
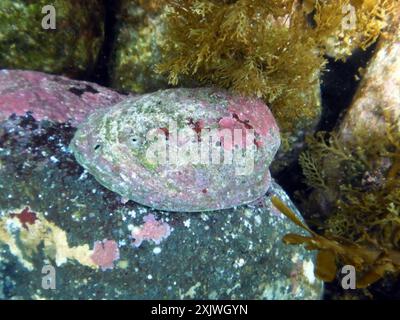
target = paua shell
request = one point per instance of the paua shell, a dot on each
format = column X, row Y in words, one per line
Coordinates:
column 181, row 149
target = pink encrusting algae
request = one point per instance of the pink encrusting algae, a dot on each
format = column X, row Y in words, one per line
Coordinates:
column 246, row 114
column 253, row 112
column 105, row 253
column 233, row 125
column 152, row 229
column 50, row 97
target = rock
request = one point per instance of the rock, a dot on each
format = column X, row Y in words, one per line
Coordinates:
column 156, row 150
column 230, row 254
column 379, row 91
column 137, row 48
column 51, row 97
column 71, row 49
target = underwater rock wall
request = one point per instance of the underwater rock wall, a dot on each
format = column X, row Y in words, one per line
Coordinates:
column 367, row 136
column 52, row 211
column 354, row 172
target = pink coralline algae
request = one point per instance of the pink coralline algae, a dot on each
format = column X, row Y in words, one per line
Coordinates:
column 253, row 113
column 152, row 229
column 105, row 253
column 233, row 125
column 247, row 114
column 50, row 97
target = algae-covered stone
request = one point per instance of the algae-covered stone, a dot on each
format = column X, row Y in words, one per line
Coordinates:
column 229, row 254
column 137, row 48
column 181, row 149
column 72, row 48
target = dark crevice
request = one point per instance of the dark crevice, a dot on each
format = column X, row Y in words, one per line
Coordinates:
column 81, row 91
column 339, row 85
column 101, row 73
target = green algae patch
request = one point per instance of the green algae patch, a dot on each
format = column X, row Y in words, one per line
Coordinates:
column 71, row 49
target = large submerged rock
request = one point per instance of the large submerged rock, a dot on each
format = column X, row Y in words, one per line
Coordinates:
column 52, row 213
column 181, row 149
column 50, row 97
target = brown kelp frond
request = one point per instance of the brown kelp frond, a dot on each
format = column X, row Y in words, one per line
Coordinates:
column 370, row 260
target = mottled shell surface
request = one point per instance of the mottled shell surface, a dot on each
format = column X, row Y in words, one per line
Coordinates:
column 122, row 147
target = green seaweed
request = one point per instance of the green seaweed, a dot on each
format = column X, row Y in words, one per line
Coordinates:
column 71, row 49
column 360, row 178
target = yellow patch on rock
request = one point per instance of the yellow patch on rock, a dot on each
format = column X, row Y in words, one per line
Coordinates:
column 24, row 242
